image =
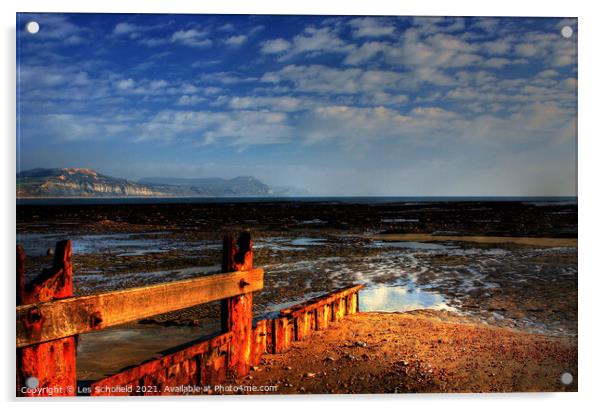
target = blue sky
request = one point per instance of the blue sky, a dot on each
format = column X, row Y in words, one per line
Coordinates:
column 337, row 105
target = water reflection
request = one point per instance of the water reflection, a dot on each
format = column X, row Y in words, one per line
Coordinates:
column 400, row 299
column 410, row 245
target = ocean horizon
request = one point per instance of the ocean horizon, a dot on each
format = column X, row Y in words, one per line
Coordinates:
column 308, row 199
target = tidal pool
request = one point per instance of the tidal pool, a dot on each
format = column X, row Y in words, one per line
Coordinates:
column 385, row 298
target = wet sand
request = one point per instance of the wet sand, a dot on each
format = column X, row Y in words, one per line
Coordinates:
column 419, row 352
column 527, row 280
column 425, row 237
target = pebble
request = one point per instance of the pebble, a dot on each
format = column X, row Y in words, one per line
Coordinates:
column 310, row 375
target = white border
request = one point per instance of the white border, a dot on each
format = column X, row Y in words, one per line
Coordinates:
column 590, row 156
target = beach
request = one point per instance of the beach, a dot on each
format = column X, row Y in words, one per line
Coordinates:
column 506, row 265
column 419, row 352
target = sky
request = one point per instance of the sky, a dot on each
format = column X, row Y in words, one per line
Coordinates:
column 338, row 105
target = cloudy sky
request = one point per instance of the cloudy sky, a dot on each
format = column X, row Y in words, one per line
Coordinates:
column 336, row 105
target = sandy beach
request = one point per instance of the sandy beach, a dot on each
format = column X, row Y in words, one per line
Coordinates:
column 479, row 271
column 419, row 352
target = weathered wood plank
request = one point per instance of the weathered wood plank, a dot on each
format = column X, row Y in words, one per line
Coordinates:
column 201, row 364
column 66, row 317
column 321, row 300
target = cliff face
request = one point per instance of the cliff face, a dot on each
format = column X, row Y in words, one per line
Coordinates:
column 77, row 182
column 84, row 182
column 239, row 186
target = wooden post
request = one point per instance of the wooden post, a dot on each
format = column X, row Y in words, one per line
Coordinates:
column 237, row 311
column 46, row 369
column 259, row 344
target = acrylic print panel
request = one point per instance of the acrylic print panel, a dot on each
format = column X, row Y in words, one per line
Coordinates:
column 295, row 204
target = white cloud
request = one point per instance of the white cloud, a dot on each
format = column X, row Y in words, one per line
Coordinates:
column 371, row 27
column 383, row 98
column 497, row 47
column 157, row 84
column 273, row 103
column 190, row 100
column 236, row 41
column 125, row 28
column 432, row 112
column 365, row 52
column 497, row 62
column 192, row 38
column 275, row 46
column 226, row 77
column 526, row 49
column 323, row 79
column 239, row 128
column 125, row 84
column 312, row 40
column 352, row 124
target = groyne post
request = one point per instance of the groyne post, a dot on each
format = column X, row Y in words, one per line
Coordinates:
column 237, row 311
column 46, row 369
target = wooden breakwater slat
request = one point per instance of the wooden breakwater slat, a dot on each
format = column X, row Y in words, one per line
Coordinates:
column 321, row 300
column 202, row 364
column 298, row 322
column 40, row 322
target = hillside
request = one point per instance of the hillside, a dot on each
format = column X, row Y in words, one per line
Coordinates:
column 84, row 182
column 77, row 182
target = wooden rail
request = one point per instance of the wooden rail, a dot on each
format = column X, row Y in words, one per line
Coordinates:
column 67, row 317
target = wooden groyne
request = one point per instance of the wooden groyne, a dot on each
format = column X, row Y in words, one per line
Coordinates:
column 49, row 318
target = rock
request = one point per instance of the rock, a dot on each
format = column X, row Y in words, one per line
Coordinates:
column 254, row 368
column 288, row 368
column 329, row 359
column 49, row 252
column 310, row 375
column 361, row 344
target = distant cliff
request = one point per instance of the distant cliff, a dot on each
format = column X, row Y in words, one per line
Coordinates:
column 77, row 182
column 83, row 182
column 239, row 186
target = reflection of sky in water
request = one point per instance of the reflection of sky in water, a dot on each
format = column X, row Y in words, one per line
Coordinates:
column 139, row 244
column 287, row 244
column 399, row 299
column 121, row 244
column 409, row 245
column 304, row 241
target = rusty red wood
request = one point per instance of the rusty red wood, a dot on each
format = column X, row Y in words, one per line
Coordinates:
column 302, row 324
column 201, row 364
column 322, row 317
column 51, row 363
column 324, row 299
column 283, row 334
column 237, row 312
column 299, row 321
column 259, row 343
